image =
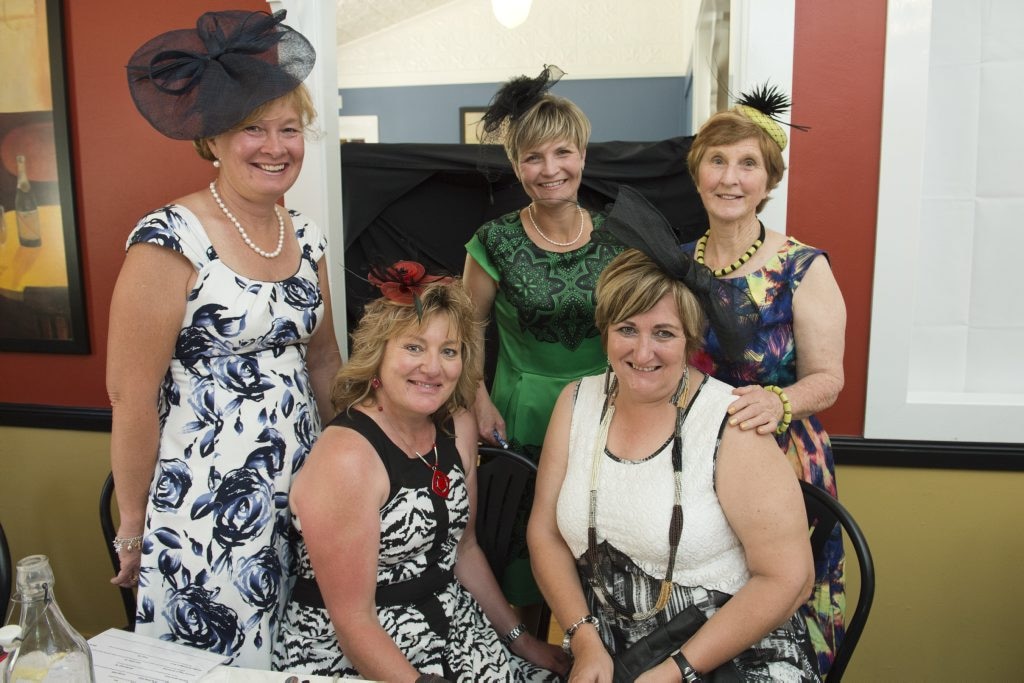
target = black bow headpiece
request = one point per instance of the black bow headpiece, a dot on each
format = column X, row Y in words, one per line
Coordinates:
column 515, row 98
column 197, row 83
column 732, row 314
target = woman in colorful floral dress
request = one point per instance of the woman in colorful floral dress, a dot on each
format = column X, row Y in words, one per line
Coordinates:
column 535, row 271
column 221, row 347
column 793, row 367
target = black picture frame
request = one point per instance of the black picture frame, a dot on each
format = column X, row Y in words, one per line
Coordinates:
column 42, row 310
column 469, row 124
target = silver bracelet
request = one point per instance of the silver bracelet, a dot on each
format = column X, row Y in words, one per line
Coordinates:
column 127, row 544
column 571, row 631
column 511, row 636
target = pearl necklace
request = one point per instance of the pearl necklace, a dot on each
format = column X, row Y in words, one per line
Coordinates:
column 244, row 234
column 702, row 243
column 548, row 239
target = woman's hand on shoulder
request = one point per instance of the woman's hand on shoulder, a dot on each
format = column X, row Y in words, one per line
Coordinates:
column 756, row 408
column 546, row 655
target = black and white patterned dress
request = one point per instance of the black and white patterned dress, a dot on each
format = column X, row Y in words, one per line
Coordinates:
column 634, row 507
column 432, row 618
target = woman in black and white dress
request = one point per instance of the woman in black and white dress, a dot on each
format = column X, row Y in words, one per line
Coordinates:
column 392, row 584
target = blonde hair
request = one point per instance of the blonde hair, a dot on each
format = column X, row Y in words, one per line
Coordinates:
column 298, row 98
column 550, row 118
column 384, row 320
column 728, row 128
column 631, row 284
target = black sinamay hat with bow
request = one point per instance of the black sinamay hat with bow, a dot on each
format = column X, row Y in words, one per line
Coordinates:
column 197, row 83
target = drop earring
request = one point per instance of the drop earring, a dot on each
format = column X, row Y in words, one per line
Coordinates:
column 375, row 382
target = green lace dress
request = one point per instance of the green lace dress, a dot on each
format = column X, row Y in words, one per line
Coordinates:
column 544, row 310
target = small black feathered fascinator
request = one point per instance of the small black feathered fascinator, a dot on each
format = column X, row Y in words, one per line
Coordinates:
column 197, row 83
column 515, row 98
column 732, row 315
column 763, row 105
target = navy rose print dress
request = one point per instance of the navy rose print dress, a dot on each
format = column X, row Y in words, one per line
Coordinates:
column 237, row 419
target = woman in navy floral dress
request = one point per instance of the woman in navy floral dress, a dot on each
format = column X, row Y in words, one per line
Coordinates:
column 221, row 346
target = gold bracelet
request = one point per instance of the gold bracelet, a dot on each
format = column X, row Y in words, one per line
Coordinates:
column 787, row 408
column 127, row 544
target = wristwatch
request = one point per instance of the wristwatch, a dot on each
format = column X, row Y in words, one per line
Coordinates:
column 511, row 636
column 690, row 675
column 571, row 631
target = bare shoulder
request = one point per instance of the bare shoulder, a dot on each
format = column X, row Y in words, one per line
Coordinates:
column 328, row 470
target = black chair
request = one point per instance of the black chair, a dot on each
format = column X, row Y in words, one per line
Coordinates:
column 107, row 524
column 504, row 478
column 5, row 575
column 823, row 513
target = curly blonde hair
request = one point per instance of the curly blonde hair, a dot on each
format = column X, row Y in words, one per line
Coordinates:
column 384, row 320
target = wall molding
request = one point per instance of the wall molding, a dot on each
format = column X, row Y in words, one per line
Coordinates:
column 849, row 450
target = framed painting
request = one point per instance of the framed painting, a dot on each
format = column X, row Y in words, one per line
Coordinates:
column 41, row 299
column 469, row 124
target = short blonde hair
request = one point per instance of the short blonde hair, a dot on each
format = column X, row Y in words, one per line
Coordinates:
column 550, row 118
column 631, row 284
column 298, row 98
column 384, row 320
column 728, row 128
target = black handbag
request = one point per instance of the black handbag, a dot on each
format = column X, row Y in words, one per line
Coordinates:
column 658, row 645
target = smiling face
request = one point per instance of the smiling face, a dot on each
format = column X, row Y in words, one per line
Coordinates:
column 263, row 159
column 647, row 351
column 420, row 368
column 732, row 181
column 551, row 170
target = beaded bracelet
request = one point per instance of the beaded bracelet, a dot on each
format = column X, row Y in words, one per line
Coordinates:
column 787, row 408
column 127, row 544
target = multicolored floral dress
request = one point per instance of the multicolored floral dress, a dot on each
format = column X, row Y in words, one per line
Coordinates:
column 433, row 619
column 544, row 310
column 771, row 359
column 237, row 419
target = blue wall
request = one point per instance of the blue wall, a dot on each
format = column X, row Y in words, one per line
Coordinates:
column 634, row 109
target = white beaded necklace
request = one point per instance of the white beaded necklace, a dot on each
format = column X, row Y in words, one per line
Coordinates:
column 244, row 234
column 548, row 239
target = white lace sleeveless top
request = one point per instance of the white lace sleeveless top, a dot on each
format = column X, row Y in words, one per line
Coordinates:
column 634, row 500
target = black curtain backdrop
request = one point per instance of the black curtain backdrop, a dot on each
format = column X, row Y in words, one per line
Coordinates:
column 423, row 202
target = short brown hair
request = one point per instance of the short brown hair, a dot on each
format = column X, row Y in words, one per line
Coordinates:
column 298, row 98
column 384, row 320
column 551, row 118
column 631, row 284
column 728, row 128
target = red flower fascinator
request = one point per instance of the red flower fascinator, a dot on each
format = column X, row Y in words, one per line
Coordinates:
column 403, row 282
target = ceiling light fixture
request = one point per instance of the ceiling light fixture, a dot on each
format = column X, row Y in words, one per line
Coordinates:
column 511, row 13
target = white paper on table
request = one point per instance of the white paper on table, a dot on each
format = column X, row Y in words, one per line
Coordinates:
column 127, row 657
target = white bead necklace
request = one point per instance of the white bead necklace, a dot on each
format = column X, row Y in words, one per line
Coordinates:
column 244, row 234
column 548, row 239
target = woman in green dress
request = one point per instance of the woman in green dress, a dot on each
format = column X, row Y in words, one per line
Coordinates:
column 535, row 270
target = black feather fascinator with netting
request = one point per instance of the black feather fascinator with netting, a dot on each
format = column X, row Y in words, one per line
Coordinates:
column 514, row 99
column 732, row 314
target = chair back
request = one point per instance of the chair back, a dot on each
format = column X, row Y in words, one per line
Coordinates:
column 5, row 576
column 107, row 525
column 823, row 513
column 501, row 484
column 504, row 480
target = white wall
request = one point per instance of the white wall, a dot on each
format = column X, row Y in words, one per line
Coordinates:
column 462, row 42
column 947, row 342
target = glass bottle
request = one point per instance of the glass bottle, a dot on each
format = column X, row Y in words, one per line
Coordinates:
column 50, row 649
column 29, row 230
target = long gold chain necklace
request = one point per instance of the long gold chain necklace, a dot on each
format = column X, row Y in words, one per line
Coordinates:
column 702, row 243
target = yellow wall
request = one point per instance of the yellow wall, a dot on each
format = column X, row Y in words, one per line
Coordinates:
column 948, row 548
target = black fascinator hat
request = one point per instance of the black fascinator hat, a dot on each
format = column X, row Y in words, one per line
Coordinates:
column 732, row 314
column 515, row 98
column 197, row 83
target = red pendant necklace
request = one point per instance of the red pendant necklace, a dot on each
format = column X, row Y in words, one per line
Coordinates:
column 439, row 483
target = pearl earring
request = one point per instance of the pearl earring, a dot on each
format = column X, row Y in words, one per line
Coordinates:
column 216, row 163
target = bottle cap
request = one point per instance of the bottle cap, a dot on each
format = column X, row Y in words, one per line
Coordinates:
column 35, row 576
column 8, row 635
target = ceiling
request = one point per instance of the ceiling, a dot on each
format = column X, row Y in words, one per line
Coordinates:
column 360, row 18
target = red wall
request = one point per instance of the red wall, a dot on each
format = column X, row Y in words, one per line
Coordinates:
column 838, row 60
column 122, row 168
